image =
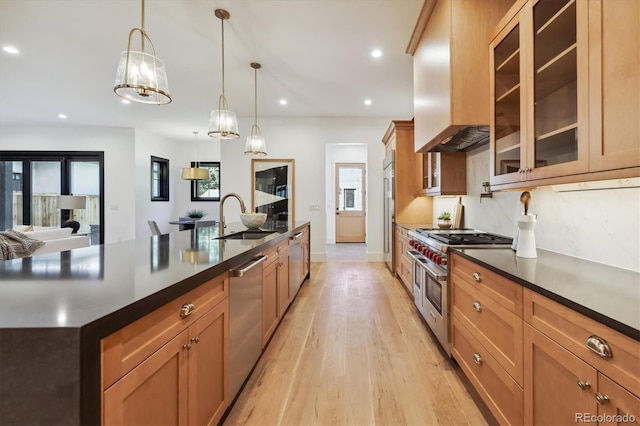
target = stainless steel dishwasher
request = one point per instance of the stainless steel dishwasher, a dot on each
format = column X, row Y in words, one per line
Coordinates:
column 295, row 264
column 245, row 321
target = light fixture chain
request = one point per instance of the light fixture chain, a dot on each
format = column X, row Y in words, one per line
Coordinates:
column 222, row 57
column 256, row 94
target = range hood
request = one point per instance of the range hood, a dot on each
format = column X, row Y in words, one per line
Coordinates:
column 464, row 138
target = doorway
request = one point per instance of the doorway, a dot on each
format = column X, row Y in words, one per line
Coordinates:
column 350, row 202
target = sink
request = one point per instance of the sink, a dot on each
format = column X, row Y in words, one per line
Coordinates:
column 249, row 234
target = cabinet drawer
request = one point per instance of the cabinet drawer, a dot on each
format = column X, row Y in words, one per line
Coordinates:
column 127, row 347
column 402, row 232
column 571, row 330
column 499, row 288
column 497, row 388
column 274, row 253
column 496, row 328
column 406, row 273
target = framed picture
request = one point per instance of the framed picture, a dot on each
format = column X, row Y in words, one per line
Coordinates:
column 207, row 190
column 272, row 190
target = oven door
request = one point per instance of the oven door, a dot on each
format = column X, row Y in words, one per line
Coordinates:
column 435, row 307
column 418, row 280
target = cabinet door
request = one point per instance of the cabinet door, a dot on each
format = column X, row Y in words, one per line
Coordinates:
column 617, row 405
column 154, row 392
column 508, row 100
column 208, row 365
column 557, row 384
column 558, row 101
column 284, row 296
column 614, row 84
column 270, row 312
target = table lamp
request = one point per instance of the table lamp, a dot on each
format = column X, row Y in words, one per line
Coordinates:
column 71, row 202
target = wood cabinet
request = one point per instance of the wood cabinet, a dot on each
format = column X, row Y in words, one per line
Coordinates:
column 487, row 336
column 407, row 179
column 275, row 289
column 444, row 173
column 171, row 366
column 404, row 264
column 306, row 251
column 557, row 74
column 450, row 66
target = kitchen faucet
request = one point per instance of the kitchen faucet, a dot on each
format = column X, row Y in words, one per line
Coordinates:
column 243, row 209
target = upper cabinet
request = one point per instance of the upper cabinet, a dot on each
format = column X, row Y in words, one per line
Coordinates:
column 450, row 67
column 558, row 113
column 445, row 173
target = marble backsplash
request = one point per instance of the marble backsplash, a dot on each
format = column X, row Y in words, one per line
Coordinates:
column 599, row 225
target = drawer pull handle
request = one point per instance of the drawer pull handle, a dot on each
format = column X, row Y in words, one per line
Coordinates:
column 187, row 309
column 477, row 306
column 602, row 399
column 583, row 385
column 599, row 346
column 279, row 249
column 476, row 276
column 477, row 358
column 195, row 339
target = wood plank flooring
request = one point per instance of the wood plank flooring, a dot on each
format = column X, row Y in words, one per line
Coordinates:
column 352, row 350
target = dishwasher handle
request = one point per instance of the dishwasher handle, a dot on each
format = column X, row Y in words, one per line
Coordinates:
column 248, row 266
column 298, row 235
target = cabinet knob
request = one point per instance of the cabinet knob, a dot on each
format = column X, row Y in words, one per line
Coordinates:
column 187, row 309
column 476, row 276
column 477, row 306
column 477, row 358
column 602, row 399
column 583, row 385
column 187, row 346
column 279, row 249
column 599, row 346
column 195, row 339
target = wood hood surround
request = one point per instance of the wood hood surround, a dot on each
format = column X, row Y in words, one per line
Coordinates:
column 451, row 67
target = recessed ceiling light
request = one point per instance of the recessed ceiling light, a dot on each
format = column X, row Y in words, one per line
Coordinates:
column 126, row 101
column 11, row 49
column 62, row 116
column 283, row 102
column 376, row 53
column 367, row 102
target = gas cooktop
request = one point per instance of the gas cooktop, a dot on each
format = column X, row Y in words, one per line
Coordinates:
column 464, row 237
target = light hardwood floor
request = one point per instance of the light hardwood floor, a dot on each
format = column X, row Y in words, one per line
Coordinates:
column 352, row 350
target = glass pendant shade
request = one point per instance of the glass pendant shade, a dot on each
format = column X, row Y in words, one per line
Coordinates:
column 141, row 76
column 194, row 173
column 255, row 144
column 223, row 124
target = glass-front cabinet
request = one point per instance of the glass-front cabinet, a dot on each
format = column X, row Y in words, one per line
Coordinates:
column 540, row 93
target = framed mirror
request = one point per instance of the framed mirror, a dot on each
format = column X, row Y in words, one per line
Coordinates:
column 272, row 190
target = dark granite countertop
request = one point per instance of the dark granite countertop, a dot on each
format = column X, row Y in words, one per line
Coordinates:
column 104, row 287
column 604, row 293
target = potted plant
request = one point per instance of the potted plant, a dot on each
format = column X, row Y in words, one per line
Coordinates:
column 195, row 214
column 444, row 220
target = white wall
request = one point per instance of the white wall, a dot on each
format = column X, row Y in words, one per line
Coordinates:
column 304, row 140
column 601, row 225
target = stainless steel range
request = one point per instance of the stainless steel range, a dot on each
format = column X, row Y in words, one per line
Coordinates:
column 430, row 275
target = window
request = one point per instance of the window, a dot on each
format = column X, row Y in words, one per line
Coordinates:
column 207, row 190
column 159, row 179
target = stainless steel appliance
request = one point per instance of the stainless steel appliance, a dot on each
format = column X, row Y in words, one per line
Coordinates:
column 295, row 265
column 245, row 321
column 430, row 275
column 389, row 209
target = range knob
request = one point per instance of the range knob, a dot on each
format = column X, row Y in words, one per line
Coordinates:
column 438, row 259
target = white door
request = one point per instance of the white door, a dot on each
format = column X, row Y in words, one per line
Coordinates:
column 350, row 203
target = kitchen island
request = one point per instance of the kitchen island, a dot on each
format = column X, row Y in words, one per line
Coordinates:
column 56, row 308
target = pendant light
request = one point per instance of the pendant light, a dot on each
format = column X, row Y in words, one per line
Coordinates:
column 255, row 143
column 195, row 173
column 223, row 123
column 141, row 76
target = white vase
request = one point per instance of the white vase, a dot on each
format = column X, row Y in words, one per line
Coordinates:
column 526, row 237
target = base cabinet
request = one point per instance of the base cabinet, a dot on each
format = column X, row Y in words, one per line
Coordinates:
column 403, row 263
column 184, row 382
column 276, row 294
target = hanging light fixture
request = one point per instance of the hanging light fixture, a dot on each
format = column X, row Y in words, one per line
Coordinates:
column 255, row 143
column 223, row 123
column 195, row 173
column 141, row 76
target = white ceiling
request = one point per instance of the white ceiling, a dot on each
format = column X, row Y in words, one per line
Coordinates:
column 314, row 53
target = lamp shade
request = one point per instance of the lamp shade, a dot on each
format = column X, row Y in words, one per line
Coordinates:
column 194, row 173
column 141, row 77
column 71, row 202
column 255, row 145
column 223, row 124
